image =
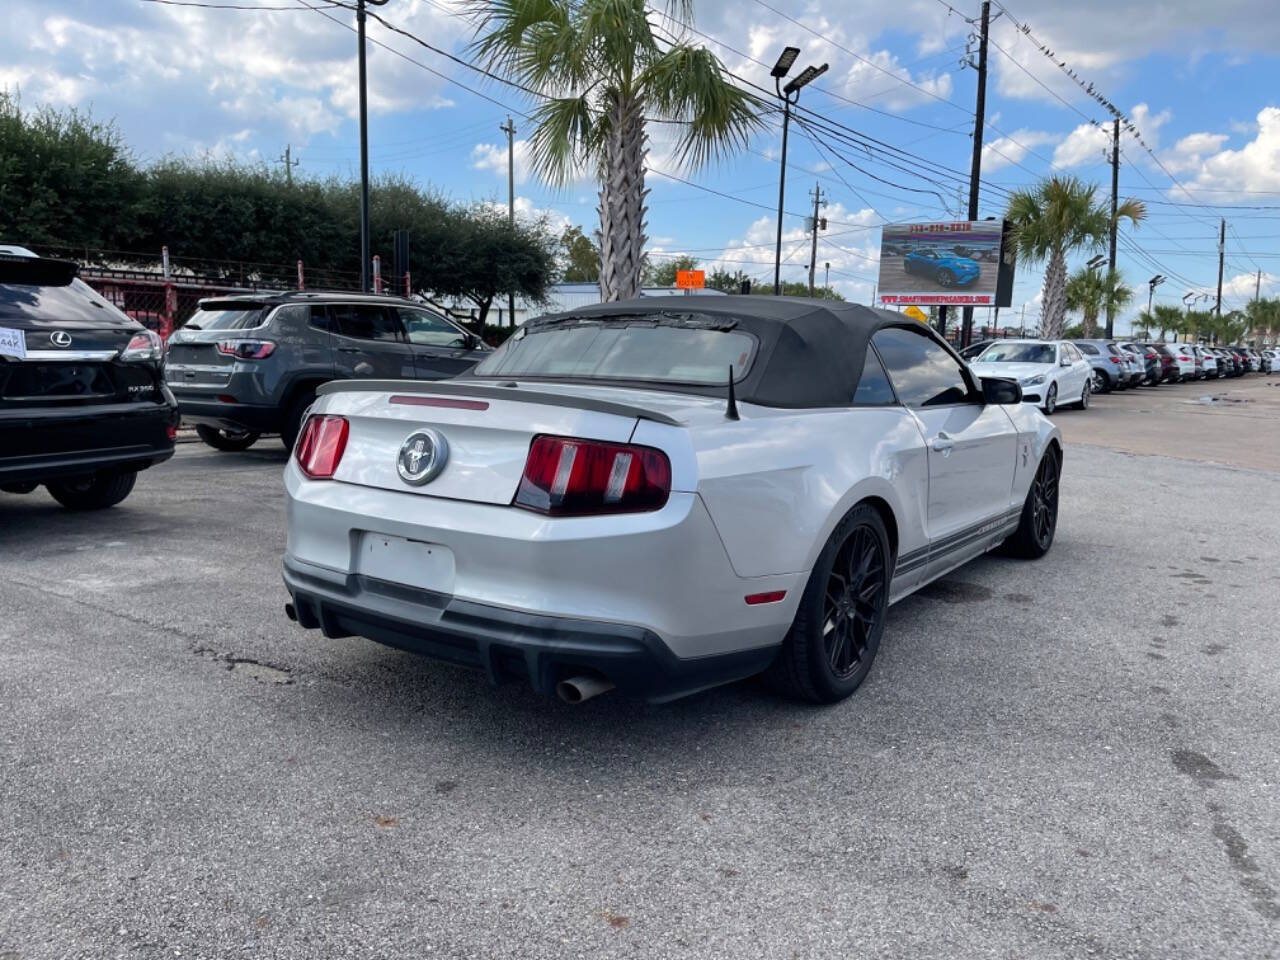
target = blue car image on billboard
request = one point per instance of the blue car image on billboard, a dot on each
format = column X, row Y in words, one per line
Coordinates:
column 945, row 271
column 944, row 264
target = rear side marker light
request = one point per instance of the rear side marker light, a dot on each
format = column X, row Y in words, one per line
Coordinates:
column 772, row 596
column 450, row 402
column 226, row 398
column 320, row 447
column 566, row 476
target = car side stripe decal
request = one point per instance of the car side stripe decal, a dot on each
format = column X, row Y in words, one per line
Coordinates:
column 918, row 558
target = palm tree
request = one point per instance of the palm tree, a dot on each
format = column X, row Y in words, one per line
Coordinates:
column 1166, row 317
column 598, row 74
column 1091, row 292
column 1056, row 217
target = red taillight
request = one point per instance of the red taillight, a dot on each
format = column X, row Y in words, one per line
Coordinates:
column 565, row 476
column 171, row 432
column 246, row 349
column 320, row 447
column 1116, row 360
column 1185, row 359
column 772, row 596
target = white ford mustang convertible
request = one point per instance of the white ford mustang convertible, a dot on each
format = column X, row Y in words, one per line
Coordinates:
column 662, row 495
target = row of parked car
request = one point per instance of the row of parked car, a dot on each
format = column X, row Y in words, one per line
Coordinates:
column 1069, row 372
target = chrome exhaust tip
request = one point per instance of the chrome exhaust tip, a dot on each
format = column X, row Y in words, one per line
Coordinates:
column 581, row 689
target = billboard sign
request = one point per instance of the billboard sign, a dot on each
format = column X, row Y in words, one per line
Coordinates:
column 945, row 264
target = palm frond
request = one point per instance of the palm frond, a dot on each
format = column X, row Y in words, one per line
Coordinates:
column 565, row 138
column 688, row 84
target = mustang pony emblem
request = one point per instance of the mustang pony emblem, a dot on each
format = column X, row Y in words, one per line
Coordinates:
column 422, row 457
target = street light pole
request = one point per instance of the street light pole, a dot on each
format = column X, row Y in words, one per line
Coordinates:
column 789, row 95
column 364, row 145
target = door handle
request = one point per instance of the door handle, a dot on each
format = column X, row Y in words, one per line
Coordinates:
column 942, row 443
column 348, row 349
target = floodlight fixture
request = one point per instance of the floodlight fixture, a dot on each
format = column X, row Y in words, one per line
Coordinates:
column 785, row 61
column 806, row 77
column 1096, row 262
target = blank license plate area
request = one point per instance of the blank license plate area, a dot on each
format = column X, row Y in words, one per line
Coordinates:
column 412, row 563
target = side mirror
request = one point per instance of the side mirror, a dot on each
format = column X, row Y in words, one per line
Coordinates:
column 470, row 341
column 1001, row 390
column 1064, row 362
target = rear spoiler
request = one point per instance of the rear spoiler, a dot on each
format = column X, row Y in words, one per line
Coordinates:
column 37, row 271
column 496, row 392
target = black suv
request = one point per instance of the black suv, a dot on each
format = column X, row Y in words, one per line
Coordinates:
column 247, row 365
column 83, row 405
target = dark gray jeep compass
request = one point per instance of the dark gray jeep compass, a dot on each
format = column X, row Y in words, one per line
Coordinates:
column 247, row 365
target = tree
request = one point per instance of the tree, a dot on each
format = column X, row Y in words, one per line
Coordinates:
column 66, row 180
column 1092, row 292
column 498, row 257
column 581, row 256
column 1056, row 217
column 1264, row 317
column 794, row 288
column 1165, row 317
column 663, row 273
column 726, row 282
column 599, row 74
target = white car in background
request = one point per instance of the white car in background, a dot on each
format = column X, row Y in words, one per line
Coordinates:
column 1208, row 363
column 663, row 495
column 1050, row 372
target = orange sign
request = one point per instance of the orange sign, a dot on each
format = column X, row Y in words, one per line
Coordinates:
column 691, row 279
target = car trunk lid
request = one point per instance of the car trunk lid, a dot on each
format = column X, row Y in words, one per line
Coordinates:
column 488, row 428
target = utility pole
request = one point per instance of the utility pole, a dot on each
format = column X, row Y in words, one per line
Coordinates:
column 510, row 131
column 364, row 144
column 1115, row 197
column 826, row 281
column 1257, row 287
column 975, row 168
column 1222, row 252
column 289, row 164
column 817, row 222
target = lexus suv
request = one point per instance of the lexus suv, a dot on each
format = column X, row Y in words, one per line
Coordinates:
column 83, row 404
column 247, row 365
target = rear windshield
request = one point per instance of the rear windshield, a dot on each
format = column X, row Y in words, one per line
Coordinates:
column 1088, row 348
column 622, row 350
column 66, row 299
column 1018, row 353
column 227, row 316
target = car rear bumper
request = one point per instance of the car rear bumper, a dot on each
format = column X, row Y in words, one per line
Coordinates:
column 203, row 410
column 46, row 443
column 507, row 645
column 664, row 576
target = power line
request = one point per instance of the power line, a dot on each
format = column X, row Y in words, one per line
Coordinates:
column 237, row 6
column 858, row 56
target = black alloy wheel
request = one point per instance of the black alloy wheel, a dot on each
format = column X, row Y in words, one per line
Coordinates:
column 840, row 618
column 851, row 608
column 1100, row 384
column 1039, row 520
column 946, row 278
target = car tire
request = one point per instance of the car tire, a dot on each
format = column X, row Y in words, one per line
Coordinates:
column 836, row 632
column 293, row 419
column 1085, row 393
column 1100, row 382
column 1051, row 399
column 1039, row 519
column 93, row 493
column 945, row 278
column 228, row 440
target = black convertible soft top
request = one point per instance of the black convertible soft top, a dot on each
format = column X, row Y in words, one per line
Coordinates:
column 809, row 354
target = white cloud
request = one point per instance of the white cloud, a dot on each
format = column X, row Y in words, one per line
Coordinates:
column 848, row 249
column 1083, row 146
column 1014, row 149
column 493, row 157
column 1255, row 166
column 1189, row 152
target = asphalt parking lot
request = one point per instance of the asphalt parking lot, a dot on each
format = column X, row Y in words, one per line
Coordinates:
column 1074, row 757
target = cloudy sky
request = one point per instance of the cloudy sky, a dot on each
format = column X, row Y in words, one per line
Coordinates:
column 1201, row 82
